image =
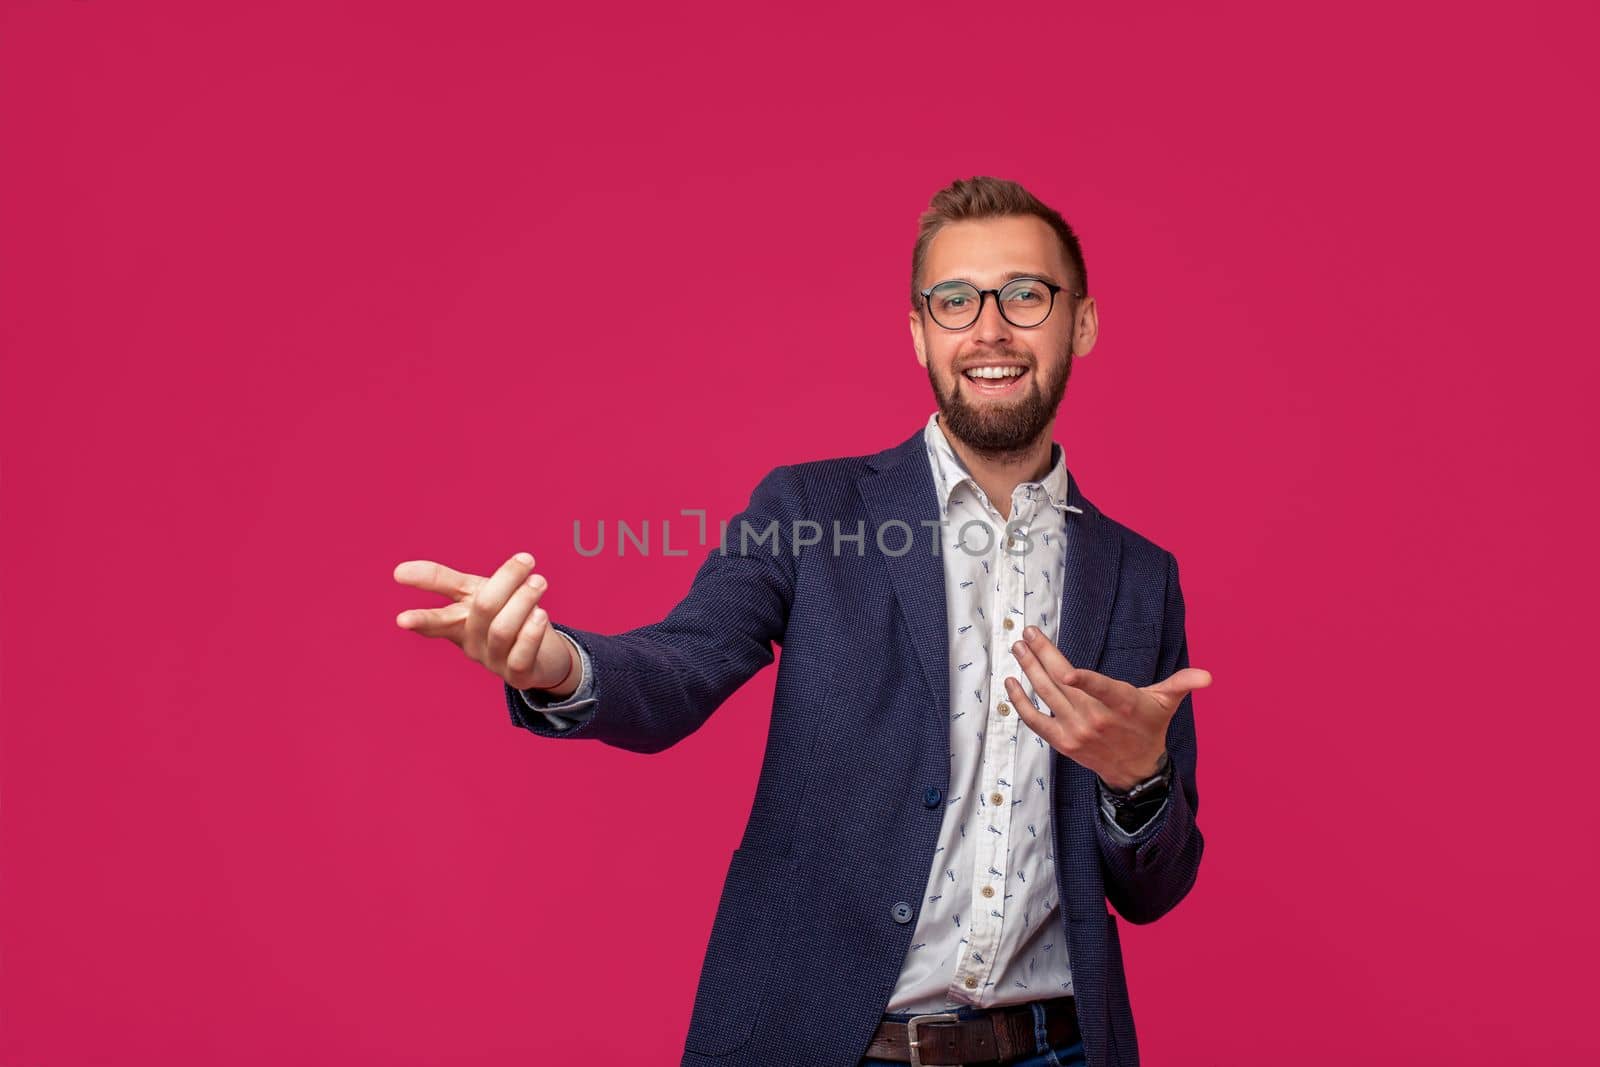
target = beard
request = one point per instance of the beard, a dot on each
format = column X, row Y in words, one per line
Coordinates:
column 1000, row 430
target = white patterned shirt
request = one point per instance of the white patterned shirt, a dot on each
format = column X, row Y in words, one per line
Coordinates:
column 989, row 930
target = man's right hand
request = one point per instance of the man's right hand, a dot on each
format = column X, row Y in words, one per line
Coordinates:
column 496, row 621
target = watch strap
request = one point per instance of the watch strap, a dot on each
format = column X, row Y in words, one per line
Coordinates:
column 1154, row 786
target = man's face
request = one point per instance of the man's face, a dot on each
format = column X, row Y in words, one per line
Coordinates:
column 1000, row 416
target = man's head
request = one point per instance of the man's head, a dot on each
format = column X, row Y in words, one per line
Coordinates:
column 988, row 232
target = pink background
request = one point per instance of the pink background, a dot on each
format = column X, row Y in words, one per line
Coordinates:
column 268, row 329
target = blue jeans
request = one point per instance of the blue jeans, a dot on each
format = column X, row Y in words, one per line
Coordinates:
column 1061, row 1056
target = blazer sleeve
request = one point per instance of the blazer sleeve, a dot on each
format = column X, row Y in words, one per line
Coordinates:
column 655, row 685
column 1147, row 873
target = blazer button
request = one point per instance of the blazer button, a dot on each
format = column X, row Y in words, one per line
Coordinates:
column 901, row 912
column 932, row 797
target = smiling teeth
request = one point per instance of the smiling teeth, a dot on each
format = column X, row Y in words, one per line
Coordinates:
column 995, row 372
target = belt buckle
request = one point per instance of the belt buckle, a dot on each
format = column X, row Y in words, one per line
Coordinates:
column 911, row 1031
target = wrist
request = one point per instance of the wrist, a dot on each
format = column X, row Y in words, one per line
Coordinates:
column 569, row 681
column 1153, row 781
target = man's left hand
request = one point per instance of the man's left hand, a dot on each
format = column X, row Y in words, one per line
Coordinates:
column 1116, row 730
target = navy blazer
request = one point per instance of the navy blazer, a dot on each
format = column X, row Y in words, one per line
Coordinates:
column 818, row 907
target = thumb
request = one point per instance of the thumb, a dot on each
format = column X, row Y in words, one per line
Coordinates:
column 443, row 622
column 1172, row 689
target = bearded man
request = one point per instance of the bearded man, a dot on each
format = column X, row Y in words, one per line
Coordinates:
column 982, row 732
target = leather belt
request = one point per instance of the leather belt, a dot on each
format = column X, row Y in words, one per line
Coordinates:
column 1000, row 1036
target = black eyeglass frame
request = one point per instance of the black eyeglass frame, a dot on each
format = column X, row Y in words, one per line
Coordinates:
column 1001, row 304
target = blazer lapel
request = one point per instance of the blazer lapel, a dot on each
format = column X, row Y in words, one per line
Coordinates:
column 900, row 486
column 1094, row 552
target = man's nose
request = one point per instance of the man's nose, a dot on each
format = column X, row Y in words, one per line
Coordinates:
column 991, row 325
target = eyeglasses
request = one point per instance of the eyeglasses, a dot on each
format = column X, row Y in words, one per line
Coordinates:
column 955, row 305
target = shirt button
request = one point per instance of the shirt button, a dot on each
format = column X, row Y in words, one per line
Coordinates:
column 1003, row 708
column 996, row 798
column 932, row 797
column 972, row 983
column 988, row 890
column 901, row 912
column 1008, row 624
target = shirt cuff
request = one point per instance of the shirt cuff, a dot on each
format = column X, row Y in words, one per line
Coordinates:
column 572, row 710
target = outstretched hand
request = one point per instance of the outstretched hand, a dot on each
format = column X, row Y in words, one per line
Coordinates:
column 496, row 620
column 1115, row 729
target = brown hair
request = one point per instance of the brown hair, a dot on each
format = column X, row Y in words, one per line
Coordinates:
column 987, row 198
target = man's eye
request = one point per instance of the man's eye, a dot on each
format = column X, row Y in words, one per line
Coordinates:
column 953, row 301
column 1024, row 296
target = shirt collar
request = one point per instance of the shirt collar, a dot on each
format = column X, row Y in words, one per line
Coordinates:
column 949, row 472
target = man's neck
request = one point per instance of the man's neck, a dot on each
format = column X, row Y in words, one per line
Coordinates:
column 999, row 476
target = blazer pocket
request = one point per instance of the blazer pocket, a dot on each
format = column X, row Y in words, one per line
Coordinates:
column 1130, row 654
column 1132, row 635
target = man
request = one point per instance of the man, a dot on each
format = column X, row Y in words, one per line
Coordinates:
column 949, row 796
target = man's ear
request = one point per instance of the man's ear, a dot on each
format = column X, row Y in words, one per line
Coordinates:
column 1085, row 327
column 918, row 341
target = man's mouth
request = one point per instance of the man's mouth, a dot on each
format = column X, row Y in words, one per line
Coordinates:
column 995, row 379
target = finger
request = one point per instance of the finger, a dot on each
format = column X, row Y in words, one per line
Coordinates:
column 1049, row 654
column 489, row 598
column 507, row 625
column 1112, row 692
column 437, row 578
column 1040, row 722
column 524, row 654
column 1057, row 694
column 434, row 622
column 1061, row 732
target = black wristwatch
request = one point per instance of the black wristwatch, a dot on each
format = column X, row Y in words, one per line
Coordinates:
column 1132, row 807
